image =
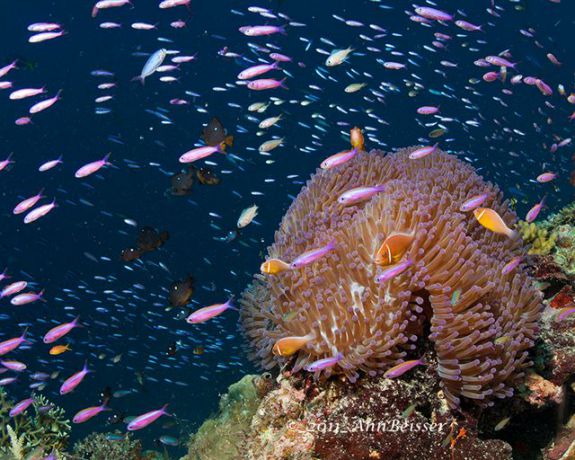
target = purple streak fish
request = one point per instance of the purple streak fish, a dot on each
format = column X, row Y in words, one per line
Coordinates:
column 204, row 314
column 86, row 414
column 422, row 152
column 142, row 421
column 394, row 271
column 432, row 13
column 26, row 92
column 511, row 265
column 400, row 369
column 39, row 212
column 28, row 203
column 20, row 407
column 60, row 331
column 73, row 381
column 13, row 288
column 15, row 366
column 358, row 194
column 6, row 162
column 312, row 255
column 534, row 211
column 4, row 70
column 200, row 152
column 473, row 203
column 257, row 70
column 324, row 363
column 257, row 31
column 338, row 159
column 45, row 104
column 26, row 298
column 11, row 344
column 92, row 167
column 50, row 164
column 546, row 177
column 266, row 83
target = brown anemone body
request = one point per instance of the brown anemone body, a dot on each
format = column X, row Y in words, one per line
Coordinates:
column 377, row 325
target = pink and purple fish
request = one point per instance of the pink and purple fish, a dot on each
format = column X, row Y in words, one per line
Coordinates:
column 92, row 167
column 312, row 255
column 142, row 421
column 86, row 414
column 400, row 369
column 204, row 314
column 394, row 271
column 60, row 331
column 72, row 382
column 359, row 194
column 11, row 344
column 324, row 363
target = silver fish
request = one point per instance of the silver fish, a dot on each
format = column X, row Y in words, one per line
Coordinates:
column 152, row 64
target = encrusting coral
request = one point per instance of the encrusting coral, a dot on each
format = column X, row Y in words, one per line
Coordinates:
column 480, row 321
column 223, row 437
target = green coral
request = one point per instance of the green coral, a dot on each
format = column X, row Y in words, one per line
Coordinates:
column 540, row 238
column 101, row 446
column 38, row 431
column 222, row 437
column 564, row 254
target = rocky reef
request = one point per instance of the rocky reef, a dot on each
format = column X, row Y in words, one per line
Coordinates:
column 301, row 418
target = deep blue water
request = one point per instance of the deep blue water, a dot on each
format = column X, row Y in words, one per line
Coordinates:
column 91, row 212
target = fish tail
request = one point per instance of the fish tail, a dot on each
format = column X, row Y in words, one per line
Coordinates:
column 229, row 140
column 282, row 29
column 76, row 323
column 282, row 84
column 105, row 159
column 139, row 78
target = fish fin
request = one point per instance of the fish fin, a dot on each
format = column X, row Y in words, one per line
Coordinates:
column 140, row 79
column 229, row 140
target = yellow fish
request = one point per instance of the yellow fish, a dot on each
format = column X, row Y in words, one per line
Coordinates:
column 489, row 219
column 393, row 248
column 274, row 266
column 59, row 349
column 288, row 346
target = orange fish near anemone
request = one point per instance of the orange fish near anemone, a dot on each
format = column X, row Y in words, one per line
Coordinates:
column 489, row 219
column 274, row 266
column 288, row 346
column 393, row 248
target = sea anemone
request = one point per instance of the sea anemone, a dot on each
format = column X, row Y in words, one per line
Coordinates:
column 480, row 322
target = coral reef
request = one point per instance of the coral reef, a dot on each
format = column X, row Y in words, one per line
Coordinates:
column 540, row 239
column 45, row 430
column 223, row 437
column 480, row 341
column 102, row 446
column 376, row 418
